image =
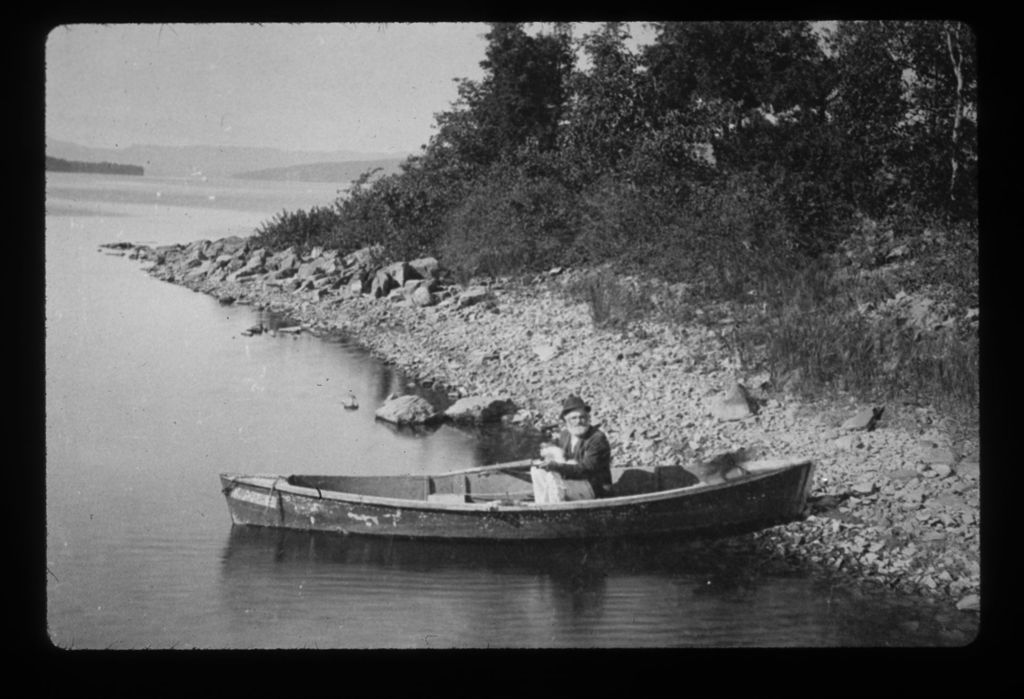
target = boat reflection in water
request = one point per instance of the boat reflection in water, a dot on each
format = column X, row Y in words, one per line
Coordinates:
column 352, row 591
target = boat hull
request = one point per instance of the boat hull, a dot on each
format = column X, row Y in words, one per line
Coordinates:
column 751, row 503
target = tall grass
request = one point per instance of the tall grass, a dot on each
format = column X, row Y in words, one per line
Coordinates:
column 807, row 328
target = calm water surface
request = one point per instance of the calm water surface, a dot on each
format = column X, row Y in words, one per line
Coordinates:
column 151, row 391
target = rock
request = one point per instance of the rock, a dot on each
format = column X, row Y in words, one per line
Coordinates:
column 426, row 267
column 407, row 410
column 931, row 454
column 477, row 409
column 401, row 272
column 256, row 259
column 970, row 603
column 226, row 299
column 422, row 296
column 848, row 442
column 202, row 270
column 285, row 261
column 363, row 257
column 969, row 469
column 760, row 382
column 478, row 357
column 902, row 475
column 471, row 296
column 733, row 405
column 865, row 487
column 227, row 246
column 864, row 420
column 943, row 470
column 382, row 284
column 545, row 352
column 306, row 270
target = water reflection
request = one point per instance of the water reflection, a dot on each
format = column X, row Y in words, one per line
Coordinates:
column 511, row 594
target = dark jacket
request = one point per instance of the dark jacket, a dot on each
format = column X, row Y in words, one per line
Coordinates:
column 593, row 457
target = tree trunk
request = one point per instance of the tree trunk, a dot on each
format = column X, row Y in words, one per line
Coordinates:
column 956, row 59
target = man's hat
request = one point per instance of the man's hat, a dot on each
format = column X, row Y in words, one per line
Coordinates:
column 574, row 403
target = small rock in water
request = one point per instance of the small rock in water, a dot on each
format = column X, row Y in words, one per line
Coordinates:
column 478, row 409
column 407, row 410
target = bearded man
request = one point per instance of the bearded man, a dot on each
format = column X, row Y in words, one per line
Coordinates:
column 582, row 452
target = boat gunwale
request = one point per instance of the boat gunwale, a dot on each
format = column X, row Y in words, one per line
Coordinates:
column 280, row 484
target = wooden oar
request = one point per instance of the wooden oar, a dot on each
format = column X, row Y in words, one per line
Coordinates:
column 509, row 466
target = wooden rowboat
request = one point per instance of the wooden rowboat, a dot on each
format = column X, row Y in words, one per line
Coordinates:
column 494, row 502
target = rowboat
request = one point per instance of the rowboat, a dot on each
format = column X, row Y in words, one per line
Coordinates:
column 495, row 503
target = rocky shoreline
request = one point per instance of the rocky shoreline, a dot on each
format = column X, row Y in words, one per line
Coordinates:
column 896, row 499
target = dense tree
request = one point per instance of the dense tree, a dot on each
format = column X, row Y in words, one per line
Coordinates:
column 609, row 107
column 522, row 95
column 719, row 143
column 942, row 90
column 771, row 67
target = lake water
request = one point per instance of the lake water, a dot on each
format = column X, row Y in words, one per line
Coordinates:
column 152, row 390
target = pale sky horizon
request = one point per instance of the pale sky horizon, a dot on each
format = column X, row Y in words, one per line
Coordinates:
column 365, row 87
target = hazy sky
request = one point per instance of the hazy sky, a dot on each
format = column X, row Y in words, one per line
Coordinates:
column 362, row 87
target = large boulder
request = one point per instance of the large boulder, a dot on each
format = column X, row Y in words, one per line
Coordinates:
column 228, row 246
column 407, row 410
column 199, row 271
column 256, row 260
column 308, row 270
column 193, row 253
column 284, row 260
column 426, row 267
column 363, row 257
column 382, row 284
column 402, row 272
column 477, row 409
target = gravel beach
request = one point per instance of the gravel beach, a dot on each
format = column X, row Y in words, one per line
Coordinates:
column 895, row 504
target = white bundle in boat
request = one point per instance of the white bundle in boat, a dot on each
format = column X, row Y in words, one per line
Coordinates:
column 550, row 487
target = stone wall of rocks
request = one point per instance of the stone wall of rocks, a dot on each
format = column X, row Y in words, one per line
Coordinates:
column 896, row 500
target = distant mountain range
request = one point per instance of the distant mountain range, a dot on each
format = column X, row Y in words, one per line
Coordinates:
column 233, row 161
column 322, row 172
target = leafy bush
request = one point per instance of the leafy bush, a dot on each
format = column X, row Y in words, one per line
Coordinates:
column 613, row 301
column 510, row 222
column 301, row 229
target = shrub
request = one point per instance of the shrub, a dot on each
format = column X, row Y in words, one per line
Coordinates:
column 301, row 229
column 811, row 325
column 613, row 301
column 510, row 222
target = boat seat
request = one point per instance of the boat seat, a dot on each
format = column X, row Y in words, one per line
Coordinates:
column 447, row 498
